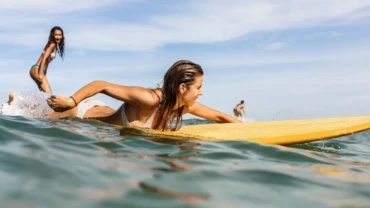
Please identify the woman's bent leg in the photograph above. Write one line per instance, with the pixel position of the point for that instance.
(65, 114)
(44, 86)
(41, 81)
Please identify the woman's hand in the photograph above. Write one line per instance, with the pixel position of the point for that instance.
(208, 113)
(60, 103)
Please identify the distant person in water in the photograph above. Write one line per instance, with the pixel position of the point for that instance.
(239, 109)
(151, 108)
(11, 97)
(38, 71)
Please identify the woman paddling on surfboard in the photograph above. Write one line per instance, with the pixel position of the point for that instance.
(55, 44)
(152, 108)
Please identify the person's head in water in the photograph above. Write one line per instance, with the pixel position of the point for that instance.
(57, 36)
(11, 97)
(242, 102)
(182, 85)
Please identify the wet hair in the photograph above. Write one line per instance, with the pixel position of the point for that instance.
(181, 72)
(60, 45)
(242, 102)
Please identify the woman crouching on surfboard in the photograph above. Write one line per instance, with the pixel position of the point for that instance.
(38, 71)
(152, 108)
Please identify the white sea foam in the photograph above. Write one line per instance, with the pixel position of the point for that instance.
(28, 104)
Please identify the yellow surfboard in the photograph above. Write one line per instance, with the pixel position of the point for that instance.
(266, 132)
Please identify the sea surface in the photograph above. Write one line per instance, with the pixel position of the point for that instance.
(85, 163)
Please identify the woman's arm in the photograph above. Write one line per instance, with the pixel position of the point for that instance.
(127, 94)
(45, 56)
(210, 114)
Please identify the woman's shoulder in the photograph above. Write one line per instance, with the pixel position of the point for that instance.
(148, 98)
(50, 45)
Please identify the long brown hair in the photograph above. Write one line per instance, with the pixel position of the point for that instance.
(182, 71)
(60, 45)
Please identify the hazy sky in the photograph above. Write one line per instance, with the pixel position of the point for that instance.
(286, 59)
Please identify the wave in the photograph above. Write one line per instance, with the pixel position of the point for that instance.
(83, 163)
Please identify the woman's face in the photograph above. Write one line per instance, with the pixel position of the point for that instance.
(189, 95)
(58, 35)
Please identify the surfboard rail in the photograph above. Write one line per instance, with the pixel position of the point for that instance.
(284, 132)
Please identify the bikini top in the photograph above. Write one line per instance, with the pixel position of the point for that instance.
(52, 54)
(125, 122)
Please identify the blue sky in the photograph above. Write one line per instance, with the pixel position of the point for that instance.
(286, 59)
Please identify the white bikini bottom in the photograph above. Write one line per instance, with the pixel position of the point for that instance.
(85, 105)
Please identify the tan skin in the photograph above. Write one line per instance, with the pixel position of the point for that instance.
(97, 112)
(38, 74)
(141, 102)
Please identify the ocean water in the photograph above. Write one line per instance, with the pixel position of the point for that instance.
(85, 163)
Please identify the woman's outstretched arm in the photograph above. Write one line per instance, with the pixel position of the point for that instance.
(210, 114)
(124, 93)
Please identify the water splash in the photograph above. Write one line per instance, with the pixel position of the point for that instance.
(27, 104)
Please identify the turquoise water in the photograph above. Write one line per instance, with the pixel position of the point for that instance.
(84, 163)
